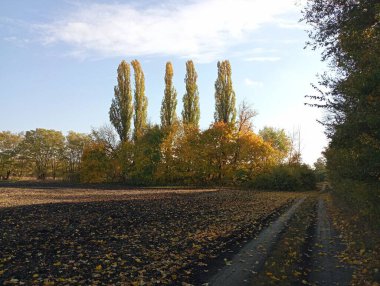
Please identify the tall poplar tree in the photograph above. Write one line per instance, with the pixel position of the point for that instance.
(225, 110)
(169, 102)
(191, 113)
(141, 101)
(121, 109)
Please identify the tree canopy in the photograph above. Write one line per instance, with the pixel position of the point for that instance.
(169, 102)
(191, 112)
(141, 101)
(225, 110)
(121, 109)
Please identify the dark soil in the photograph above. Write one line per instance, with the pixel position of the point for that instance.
(152, 239)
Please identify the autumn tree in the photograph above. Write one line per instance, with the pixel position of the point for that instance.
(245, 115)
(278, 139)
(191, 112)
(9, 143)
(244, 125)
(45, 149)
(146, 156)
(141, 101)
(106, 135)
(96, 163)
(99, 159)
(255, 156)
(218, 146)
(121, 109)
(169, 151)
(73, 152)
(169, 102)
(225, 110)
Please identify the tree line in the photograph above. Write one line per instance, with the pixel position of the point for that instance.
(349, 34)
(176, 152)
(123, 109)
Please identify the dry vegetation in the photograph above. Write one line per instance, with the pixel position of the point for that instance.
(128, 237)
(363, 243)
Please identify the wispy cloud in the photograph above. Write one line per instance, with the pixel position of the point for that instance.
(201, 29)
(253, 83)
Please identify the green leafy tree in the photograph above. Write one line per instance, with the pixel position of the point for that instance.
(73, 152)
(320, 169)
(45, 149)
(9, 143)
(349, 34)
(169, 102)
(107, 136)
(96, 164)
(225, 110)
(121, 109)
(191, 112)
(146, 156)
(278, 139)
(141, 101)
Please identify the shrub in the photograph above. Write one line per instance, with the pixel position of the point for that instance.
(286, 178)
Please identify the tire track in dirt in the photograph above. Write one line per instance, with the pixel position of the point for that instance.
(326, 269)
(252, 256)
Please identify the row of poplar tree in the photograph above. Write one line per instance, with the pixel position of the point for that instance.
(177, 151)
(123, 109)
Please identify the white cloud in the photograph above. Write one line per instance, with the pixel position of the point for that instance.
(253, 83)
(263, 59)
(203, 30)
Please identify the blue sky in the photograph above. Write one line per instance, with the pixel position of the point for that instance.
(59, 60)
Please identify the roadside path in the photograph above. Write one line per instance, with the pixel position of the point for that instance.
(326, 267)
(252, 256)
(323, 266)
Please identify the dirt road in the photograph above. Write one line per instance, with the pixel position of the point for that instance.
(253, 255)
(317, 265)
(326, 267)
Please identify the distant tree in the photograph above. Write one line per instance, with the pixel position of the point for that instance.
(106, 135)
(255, 156)
(320, 169)
(45, 149)
(9, 143)
(191, 112)
(146, 156)
(218, 146)
(225, 110)
(96, 163)
(169, 151)
(74, 146)
(169, 102)
(188, 155)
(141, 101)
(278, 139)
(245, 116)
(244, 126)
(121, 109)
